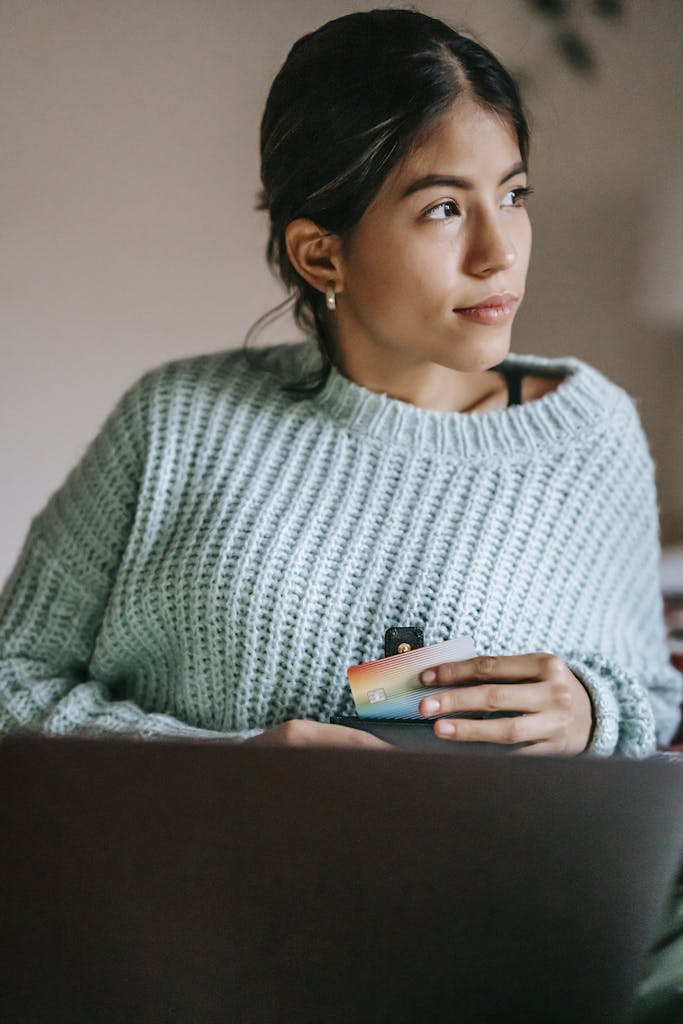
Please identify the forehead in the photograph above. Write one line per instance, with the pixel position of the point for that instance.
(470, 141)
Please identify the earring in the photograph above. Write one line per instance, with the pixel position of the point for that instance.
(330, 300)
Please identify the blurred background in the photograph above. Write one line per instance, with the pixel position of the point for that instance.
(129, 169)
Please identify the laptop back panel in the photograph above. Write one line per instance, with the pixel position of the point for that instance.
(201, 882)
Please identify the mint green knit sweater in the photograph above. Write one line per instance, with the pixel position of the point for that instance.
(223, 552)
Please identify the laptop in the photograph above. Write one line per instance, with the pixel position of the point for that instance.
(202, 882)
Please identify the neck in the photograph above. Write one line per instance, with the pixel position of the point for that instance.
(424, 384)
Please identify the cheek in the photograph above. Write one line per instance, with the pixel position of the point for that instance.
(410, 263)
(524, 239)
(386, 274)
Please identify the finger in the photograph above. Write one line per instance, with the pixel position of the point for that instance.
(303, 733)
(528, 697)
(323, 734)
(521, 729)
(345, 736)
(509, 667)
(543, 747)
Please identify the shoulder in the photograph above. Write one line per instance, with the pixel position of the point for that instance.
(194, 372)
(230, 375)
(616, 406)
(616, 439)
(583, 411)
(571, 381)
(606, 451)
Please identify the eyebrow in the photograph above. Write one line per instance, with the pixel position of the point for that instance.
(431, 180)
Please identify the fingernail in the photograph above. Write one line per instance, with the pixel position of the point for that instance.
(431, 705)
(446, 728)
(429, 676)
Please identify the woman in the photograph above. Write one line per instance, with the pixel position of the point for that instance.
(242, 530)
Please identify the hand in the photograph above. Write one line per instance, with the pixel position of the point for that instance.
(300, 733)
(556, 712)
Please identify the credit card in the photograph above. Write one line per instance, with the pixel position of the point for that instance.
(391, 688)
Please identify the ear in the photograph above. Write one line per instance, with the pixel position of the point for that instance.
(315, 254)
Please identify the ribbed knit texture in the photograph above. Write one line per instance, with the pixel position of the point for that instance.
(223, 552)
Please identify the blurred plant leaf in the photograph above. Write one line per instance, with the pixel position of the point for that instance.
(576, 52)
(550, 8)
(608, 8)
(571, 45)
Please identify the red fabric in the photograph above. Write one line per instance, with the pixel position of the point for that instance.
(673, 618)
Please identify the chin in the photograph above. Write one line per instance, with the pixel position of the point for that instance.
(475, 354)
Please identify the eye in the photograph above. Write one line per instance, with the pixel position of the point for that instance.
(443, 211)
(517, 196)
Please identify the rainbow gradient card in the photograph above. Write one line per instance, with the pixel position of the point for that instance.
(391, 687)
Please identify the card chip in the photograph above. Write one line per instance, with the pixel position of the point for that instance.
(377, 696)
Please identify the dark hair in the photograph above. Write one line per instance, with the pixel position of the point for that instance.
(350, 102)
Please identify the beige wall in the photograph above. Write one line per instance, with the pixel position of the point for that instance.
(128, 170)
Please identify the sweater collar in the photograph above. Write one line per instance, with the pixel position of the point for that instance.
(583, 397)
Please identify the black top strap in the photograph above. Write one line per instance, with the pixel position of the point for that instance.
(514, 380)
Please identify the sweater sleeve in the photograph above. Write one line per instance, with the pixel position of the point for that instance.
(53, 603)
(635, 690)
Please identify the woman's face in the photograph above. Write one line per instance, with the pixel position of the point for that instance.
(447, 231)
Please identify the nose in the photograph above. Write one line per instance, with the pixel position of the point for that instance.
(490, 247)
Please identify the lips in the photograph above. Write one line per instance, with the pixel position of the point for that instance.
(493, 301)
(493, 310)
